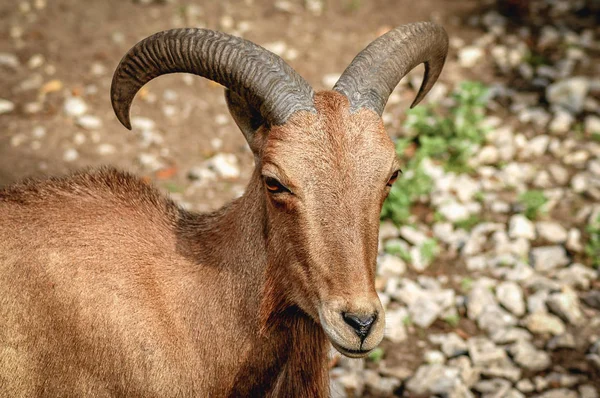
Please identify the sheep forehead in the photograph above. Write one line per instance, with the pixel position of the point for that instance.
(332, 140)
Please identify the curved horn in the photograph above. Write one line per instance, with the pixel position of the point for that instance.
(262, 78)
(369, 80)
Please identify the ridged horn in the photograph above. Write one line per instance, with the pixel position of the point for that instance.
(262, 78)
(372, 76)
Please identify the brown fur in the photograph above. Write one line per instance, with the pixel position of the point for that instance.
(107, 288)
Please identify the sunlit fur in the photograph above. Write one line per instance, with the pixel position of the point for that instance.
(107, 288)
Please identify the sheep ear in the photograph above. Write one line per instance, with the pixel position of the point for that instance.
(246, 117)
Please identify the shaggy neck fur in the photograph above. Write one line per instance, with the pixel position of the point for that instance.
(288, 350)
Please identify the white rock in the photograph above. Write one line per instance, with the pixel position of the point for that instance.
(594, 167)
(494, 387)
(498, 206)
(588, 391)
(391, 266)
(479, 298)
(106, 149)
(574, 240)
(9, 60)
(527, 356)
(559, 174)
(75, 106)
(549, 257)
(6, 106)
(494, 318)
(566, 305)
(408, 292)
(484, 352)
(395, 329)
(536, 115)
(70, 155)
(225, 165)
(509, 335)
(33, 107)
(536, 302)
(454, 211)
(543, 180)
(418, 261)
(150, 161)
(36, 61)
(562, 122)
(504, 369)
(521, 227)
(476, 263)
(469, 56)
(451, 344)
(227, 22)
(315, 6)
(97, 69)
(488, 155)
(413, 236)
(510, 295)
(79, 139)
(466, 187)
(170, 110)
(537, 145)
(580, 183)
(202, 174)
(380, 386)
(542, 323)
(569, 93)
(18, 139)
(89, 122)
(551, 231)
(577, 276)
(221, 119)
(330, 79)
(592, 124)
(433, 379)
(549, 36)
(142, 123)
(39, 132)
(434, 356)
(577, 158)
(424, 312)
(33, 82)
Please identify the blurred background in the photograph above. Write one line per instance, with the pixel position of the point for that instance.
(490, 241)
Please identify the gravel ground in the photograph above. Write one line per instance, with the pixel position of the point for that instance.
(509, 307)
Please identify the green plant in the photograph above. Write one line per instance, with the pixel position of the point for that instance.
(466, 284)
(393, 246)
(450, 138)
(353, 5)
(592, 248)
(536, 59)
(452, 320)
(376, 355)
(447, 138)
(533, 202)
(173, 187)
(468, 223)
(429, 249)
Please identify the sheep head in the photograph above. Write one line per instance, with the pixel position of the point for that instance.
(324, 163)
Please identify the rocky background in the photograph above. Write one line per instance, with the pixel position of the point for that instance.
(490, 247)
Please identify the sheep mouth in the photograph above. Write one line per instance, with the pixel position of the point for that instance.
(350, 352)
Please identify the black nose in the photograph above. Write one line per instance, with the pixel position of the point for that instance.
(360, 323)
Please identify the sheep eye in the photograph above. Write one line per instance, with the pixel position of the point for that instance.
(393, 178)
(275, 186)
